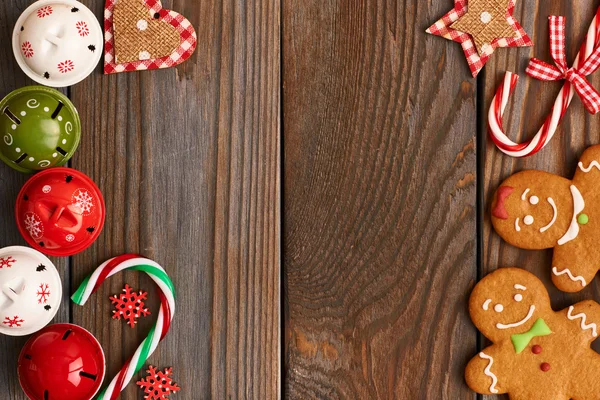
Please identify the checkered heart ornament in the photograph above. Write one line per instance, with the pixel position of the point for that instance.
(142, 35)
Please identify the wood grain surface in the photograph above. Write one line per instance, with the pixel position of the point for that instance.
(188, 160)
(380, 202)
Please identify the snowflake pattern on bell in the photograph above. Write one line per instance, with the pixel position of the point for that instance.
(6, 262)
(66, 66)
(44, 11)
(27, 50)
(14, 322)
(83, 200)
(82, 29)
(43, 293)
(130, 305)
(33, 225)
(158, 385)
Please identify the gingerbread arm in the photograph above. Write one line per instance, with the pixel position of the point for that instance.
(589, 165)
(573, 266)
(481, 373)
(586, 318)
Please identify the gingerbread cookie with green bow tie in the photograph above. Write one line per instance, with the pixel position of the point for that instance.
(536, 352)
(537, 210)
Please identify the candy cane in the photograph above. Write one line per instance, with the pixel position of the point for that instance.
(165, 315)
(546, 132)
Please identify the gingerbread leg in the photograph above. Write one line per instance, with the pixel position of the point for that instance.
(572, 279)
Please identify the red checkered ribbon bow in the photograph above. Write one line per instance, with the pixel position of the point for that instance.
(576, 76)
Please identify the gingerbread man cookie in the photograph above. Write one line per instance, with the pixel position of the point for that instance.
(537, 353)
(537, 210)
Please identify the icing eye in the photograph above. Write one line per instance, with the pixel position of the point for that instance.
(534, 200)
(498, 308)
(518, 297)
(528, 220)
(486, 304)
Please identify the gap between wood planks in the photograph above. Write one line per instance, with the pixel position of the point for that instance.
(481, 140)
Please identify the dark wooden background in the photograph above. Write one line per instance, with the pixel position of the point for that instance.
(316, 181)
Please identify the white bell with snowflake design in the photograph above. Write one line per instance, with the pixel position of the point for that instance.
(57, 42)
(30, 291)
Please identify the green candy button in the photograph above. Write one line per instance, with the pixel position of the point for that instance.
(39, 129)
(583, 219)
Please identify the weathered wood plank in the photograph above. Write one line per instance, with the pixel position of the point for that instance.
(379, 200)
(527, 110)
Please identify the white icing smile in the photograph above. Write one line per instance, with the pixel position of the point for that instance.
(521, 322)
(555, 213)
(578, 206)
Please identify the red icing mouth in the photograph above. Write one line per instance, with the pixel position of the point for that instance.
(500, 210)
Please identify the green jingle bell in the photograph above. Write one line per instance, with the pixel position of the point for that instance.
(40, 129)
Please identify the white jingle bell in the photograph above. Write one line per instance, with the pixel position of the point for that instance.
(30, 291)
(57, 42)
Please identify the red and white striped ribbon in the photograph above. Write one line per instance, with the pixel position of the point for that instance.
(543, 71)
(587, 61)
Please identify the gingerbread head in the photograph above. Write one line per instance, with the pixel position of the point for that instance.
(532, 209)
(507, 303)
(537, 210)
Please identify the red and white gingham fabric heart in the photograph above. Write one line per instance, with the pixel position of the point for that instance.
(186, 47)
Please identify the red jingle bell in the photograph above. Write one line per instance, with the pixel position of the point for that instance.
(60, 212)
(62, 361)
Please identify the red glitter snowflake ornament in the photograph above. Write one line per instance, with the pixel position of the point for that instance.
(158, 385)
(130, 305)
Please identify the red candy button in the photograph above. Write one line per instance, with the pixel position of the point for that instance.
(60, 212)
(545, 367)
(62, 361)
(537, 349)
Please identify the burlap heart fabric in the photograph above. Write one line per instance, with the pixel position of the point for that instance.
(141, 35)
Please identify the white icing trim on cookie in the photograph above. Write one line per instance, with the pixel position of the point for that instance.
(517, 227)
(583, 318)
(488, 372)
(524, 195)
(520, 287)
(571, 276)
(486, 304)
(545, 228)
(514, 325)
(588, 169)
(578, 206)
